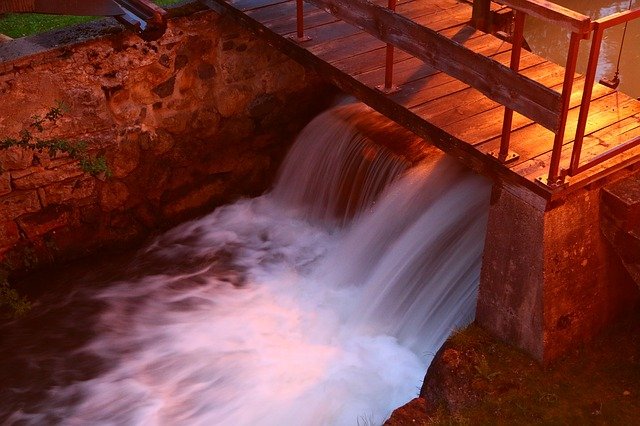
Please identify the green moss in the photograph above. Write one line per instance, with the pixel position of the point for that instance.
(12, 304)
(597, 383)
(24, 24)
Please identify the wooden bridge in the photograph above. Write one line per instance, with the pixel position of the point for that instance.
(459, 87)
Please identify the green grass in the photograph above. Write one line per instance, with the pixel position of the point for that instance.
(25, 24)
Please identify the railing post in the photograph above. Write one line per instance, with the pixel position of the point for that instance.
(554, 177)
(480, 17)
(388, 86)
(516, 51)
(589, 80)
(300, 37)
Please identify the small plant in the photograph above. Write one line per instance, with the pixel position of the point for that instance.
(77, 150)
(12, 305)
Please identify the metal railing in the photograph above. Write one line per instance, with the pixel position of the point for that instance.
(582, 27)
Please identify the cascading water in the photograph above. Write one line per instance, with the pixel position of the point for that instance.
(321, 303)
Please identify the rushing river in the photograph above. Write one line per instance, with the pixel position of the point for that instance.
(320, 303)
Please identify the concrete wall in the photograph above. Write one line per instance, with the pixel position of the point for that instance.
(188, 122)
(550, 280)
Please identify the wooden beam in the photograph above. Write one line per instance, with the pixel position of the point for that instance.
(493, 79)
(552, 12)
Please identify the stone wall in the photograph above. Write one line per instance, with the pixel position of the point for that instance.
(550, 281)
(193, 120)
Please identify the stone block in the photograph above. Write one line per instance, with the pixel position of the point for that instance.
(15, 158)
(48, 219)
(125, 158)
(548, 280)
(9, 233)
(113, 196)
(67, 191)
(43, 177)
(192, 200)
(18, 203)
(5, 183)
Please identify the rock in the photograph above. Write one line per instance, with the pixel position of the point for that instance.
(48, 219)
(9, 233)
(415, 412)
(452, 379)
(5, 183)
(18, 203)
(113, 196)
(165, 88)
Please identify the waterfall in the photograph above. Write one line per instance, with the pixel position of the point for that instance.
(320, 303)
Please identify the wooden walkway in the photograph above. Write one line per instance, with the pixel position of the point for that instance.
(455, 117)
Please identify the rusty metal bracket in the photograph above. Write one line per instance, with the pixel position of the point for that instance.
(509, 158)
(299, 40)
(388, 90)
(560, 182)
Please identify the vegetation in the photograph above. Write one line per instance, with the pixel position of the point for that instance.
(21, 25)
(77, 150)
(598, 383)
(12, 305)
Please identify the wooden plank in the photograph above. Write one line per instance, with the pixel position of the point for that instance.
(533, 140)
(552, 12)
(487, 124)
(361, 42)
(496, 81)
(246, 5)
(606, 112)
(372, 60)
(413, 69)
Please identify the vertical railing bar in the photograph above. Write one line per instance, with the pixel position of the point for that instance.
(299, 37)
(388, 70)
(565, 100)
(589, 80)
(299, 19)
(516, 53)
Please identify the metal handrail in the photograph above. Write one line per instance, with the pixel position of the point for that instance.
(599, 26)
(581, 27)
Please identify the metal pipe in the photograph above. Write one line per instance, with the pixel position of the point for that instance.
(300, 19)
(589, 80)
(565, 99)
(388, 70)
(516, 53)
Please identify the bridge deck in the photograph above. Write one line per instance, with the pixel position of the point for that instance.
(433, 104)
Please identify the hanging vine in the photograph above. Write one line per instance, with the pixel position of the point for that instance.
(28, 139)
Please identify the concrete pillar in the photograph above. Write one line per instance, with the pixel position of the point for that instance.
(549, 280)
